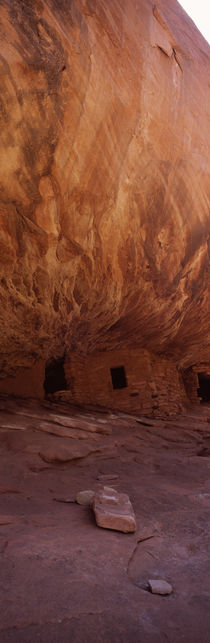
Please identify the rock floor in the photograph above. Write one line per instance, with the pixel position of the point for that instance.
(63, 578)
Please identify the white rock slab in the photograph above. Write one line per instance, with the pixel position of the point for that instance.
(114, 510)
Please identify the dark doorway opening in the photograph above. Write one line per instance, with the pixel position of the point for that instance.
(55, 376)
(204, 387)
(118, 377)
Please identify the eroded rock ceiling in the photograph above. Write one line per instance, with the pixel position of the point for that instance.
(105, 179)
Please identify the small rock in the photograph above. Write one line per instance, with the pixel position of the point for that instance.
(85, 497)
(114, 510)
(107, 476)
(160, 587)
(67, 500)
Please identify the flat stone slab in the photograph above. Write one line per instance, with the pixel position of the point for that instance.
(114, 510)
(62, 452)
(160, 587)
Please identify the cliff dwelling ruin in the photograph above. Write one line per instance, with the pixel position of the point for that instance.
(105, 323)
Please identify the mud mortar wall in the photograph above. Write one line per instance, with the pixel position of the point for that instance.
(191, 385)
(154, 385)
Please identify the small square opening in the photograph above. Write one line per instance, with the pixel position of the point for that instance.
(118, 377)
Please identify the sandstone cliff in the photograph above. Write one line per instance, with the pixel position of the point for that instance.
(105, 180)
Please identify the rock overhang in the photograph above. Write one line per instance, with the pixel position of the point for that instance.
(105, 181)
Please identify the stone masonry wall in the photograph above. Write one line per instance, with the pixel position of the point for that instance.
(154, 385)
(191, 383)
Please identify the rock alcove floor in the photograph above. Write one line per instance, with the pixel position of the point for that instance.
(63, 578)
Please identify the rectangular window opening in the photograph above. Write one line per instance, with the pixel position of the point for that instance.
(118, 377)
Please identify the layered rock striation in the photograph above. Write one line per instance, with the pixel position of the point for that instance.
(105, 181)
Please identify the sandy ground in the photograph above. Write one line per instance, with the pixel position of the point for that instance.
(63, 579)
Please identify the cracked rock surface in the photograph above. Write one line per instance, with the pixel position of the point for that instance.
(62, 578)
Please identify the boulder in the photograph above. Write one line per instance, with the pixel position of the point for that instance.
(114, 510)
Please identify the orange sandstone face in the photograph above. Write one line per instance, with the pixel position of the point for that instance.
(104, 176)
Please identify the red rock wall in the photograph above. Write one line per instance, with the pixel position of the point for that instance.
(104, 180)
(26, 382)
(154, 385)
